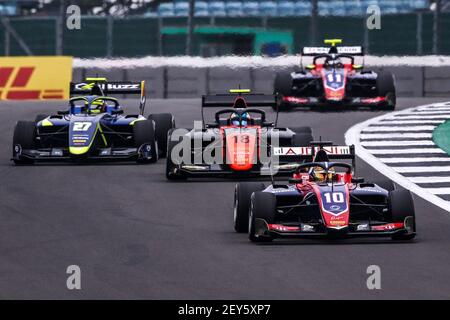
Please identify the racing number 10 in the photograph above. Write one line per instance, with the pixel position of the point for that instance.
(334, 197)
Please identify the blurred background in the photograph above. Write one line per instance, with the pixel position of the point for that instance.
(135, 28)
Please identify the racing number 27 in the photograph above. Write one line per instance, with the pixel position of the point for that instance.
(334, 197)
(81, 126)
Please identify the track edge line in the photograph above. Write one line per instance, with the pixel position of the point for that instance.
(352, 137)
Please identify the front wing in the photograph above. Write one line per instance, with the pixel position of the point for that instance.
(219, 170)
(63, 154)
(313, 102)
(360, 229)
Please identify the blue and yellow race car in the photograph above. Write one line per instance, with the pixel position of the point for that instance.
(94, 127)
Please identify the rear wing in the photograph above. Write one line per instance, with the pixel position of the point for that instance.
(350, 50)
(102, 87)
(108, 88)
(227, 100)
(333, 152)
(308, 153)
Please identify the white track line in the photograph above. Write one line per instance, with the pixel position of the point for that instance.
(440, 112)
(411, 160)
(407, 151)
(411, 122)
(398, 129)
(429, 179)
(439, 190)
(397, 143)
(428, 169)
(442, 108)
(395, 135)
(352, 136)
(421, 117)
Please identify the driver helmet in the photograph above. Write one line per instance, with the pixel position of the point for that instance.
(334, 62)
(98, 106)
(320, 174)
(243, 121)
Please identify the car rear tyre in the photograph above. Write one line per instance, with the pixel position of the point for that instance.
(242, 194)
(144, 133)
(386, 88)
(163, 123)
(283, 83)
(25, 136)
(401, 206)
(262, 206)
(170, 165)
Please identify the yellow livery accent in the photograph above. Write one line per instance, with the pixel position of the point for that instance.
(46, 123)
(240, 90)
(88, 86)
(78, 150)
(134, 121)
(310, 67)
(333, 42)
(96, 79)
(83, 150)
(103, 136)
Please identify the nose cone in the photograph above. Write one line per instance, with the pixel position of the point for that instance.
(82, 131)
(241, 148)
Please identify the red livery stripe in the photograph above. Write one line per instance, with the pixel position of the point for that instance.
(52, 97)
(22, 77)
(23, 94)
(5, 73)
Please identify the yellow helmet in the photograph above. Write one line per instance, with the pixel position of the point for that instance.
(320, 174)
(98, 106)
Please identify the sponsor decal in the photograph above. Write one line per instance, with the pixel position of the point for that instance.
(363, 227)
(35, 78)
(307, 228)
(373, 100)
(295, 99)
(387, 227)
(83, 86)
(306, 151)
(338, 221)
(279, 227)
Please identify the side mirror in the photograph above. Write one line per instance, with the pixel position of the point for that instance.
(295, 181)
(117, 111)
(310, 67)
(357, 180)
(357, 66)
(63, 113)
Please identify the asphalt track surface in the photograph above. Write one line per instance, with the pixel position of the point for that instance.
(137, 236)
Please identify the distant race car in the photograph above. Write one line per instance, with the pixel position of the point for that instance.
(333, 79)
(238, 138)
(323, 200)
(94, 127)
